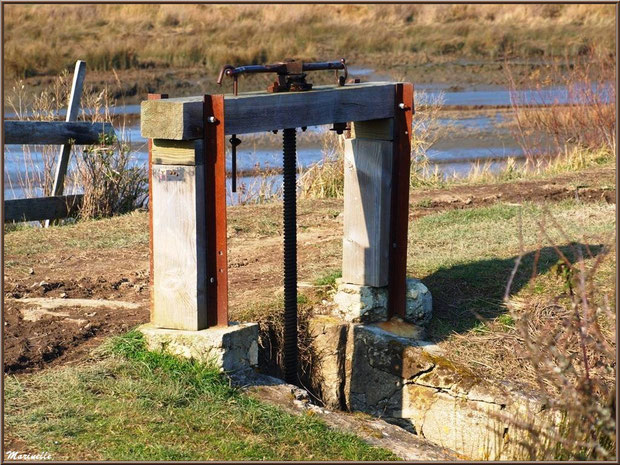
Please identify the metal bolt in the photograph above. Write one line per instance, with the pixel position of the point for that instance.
(212, 119)
(401, 106)
(212, 280)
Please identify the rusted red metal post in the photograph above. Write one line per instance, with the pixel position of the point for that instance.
(151, 266)
(214, 146)
(397, 284)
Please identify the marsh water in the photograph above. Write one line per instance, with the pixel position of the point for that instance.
(473, 128)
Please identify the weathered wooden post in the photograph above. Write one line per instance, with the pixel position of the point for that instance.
(187, 214)
(377, 161)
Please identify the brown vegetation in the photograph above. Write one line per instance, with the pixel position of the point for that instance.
(45, 39)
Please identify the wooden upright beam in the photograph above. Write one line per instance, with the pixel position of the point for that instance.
(150, 176)
(215, 208)
(179, 244)
(182, 118)
(397, 285)
(367, 199)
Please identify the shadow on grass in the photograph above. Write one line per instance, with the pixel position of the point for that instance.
(465, 294)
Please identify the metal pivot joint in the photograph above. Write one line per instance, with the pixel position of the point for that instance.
(290, 255)
(291, 76)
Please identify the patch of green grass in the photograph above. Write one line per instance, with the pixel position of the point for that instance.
(328, 279)
(466, 257)
(424, 203)
(506, 320)
(133, 404)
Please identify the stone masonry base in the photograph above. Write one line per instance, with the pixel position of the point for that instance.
(366, 304)
(362, 367)
(232, 348)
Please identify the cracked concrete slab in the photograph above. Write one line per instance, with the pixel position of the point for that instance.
(374, 431)
(363, 367)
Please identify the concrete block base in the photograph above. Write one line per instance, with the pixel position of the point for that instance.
(366, 304)
(232, 348)
(408, 381)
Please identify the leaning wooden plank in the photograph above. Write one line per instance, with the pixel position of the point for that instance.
(42, 208)
(72, 114)
(181, 118)
(55, 132)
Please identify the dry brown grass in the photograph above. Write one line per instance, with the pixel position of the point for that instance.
(45, 39)
(325, 179)
(557, 336)
(587, 121)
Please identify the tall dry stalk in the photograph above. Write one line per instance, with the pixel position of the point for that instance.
(34, 176)
(425, 132)
(261, 186)
(325, 179)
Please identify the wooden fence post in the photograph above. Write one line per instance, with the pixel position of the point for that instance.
(72, 114)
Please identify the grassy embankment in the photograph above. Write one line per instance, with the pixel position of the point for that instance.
(180, 48)
(464, 256)
(131, 404)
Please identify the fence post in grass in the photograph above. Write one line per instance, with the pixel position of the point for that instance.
(72, 113)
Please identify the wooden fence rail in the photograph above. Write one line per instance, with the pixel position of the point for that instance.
(55, 132)
(41, 208)
(52, 133)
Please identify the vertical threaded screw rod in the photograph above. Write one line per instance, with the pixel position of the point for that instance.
(290, 256)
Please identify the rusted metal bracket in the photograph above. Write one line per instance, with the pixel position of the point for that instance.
(397, 283)
(214, 144)
(290, 74)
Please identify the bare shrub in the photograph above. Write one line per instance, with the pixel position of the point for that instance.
(587, 120)
(111, 183)
(569, 341)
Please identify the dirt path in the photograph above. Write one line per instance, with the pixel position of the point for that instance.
(43, 266)
(586, 185)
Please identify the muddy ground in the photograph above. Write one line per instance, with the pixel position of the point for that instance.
(48, 266)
